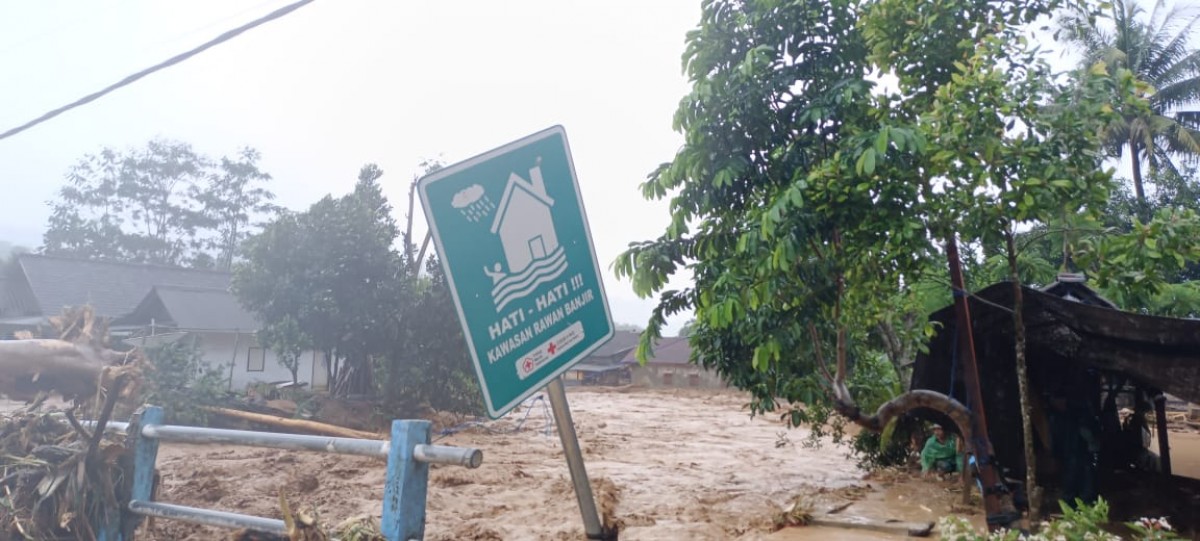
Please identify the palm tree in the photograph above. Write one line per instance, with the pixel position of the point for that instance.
(1157, 51)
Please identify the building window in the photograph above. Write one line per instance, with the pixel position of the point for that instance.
(667, 379)
(256, 360)
(693, 380)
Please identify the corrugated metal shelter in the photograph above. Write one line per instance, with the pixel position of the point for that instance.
(1079, 348)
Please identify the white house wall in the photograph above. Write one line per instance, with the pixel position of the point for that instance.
(217, 350)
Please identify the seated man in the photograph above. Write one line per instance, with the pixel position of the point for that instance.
(940, 454)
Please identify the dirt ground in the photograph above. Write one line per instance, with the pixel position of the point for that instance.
(671, 464)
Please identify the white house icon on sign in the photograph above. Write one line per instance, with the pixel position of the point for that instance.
(525, 226)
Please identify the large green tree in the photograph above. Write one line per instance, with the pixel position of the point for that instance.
(233, 196)
(809, 201)
(333, 270)
(1157, 47)
(342, 278)
(164, 204)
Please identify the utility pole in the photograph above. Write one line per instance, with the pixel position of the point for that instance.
(997, 516)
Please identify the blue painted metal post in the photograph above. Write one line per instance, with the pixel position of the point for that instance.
(407, 481)
(145, 456)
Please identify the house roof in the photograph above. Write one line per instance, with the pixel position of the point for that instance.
(673, 350)
(619, 345)
(587, 367)
(1160, 352)
(192, 309)
(1069, 344)
(515, 182)
(16, 301)
(1071, 287)
(112, 288)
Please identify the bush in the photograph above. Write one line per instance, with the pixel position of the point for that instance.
(181, 382)
(429, 364)
(870, 451)
(1079, 522)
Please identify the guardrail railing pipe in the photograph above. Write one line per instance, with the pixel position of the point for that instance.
(273, 440)
(408, 453)
(449, 456)
(208, 517)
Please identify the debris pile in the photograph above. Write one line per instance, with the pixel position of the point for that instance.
(55, 477)
(58, 480)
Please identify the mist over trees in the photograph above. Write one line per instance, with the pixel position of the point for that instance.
(164, 203)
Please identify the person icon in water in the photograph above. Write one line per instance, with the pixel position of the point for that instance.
(494, 273)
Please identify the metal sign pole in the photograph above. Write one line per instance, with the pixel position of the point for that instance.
(579, 478)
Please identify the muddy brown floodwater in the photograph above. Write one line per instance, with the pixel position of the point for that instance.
(669, 464)
(665, 465)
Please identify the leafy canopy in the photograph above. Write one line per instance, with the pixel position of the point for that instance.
(1157, 48)
(831, 148)
(332, 278)
(163, 204)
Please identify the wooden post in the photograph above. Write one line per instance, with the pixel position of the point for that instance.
(407, 481)
(981, 444)
(1164, 447)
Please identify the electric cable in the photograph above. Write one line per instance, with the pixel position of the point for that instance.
(157, 67)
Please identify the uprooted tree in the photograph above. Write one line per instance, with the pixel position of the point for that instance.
(59, 477)
(810, 199)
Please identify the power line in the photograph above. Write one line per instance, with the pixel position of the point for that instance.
(157, 67)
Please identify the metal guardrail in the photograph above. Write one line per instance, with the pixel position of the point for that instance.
(408, 455)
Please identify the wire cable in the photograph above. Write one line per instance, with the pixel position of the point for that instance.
(157, 67)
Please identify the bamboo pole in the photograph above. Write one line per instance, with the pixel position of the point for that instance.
(297, 425)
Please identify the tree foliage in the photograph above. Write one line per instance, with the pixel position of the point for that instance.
(333, 278)
(332, 270)
(163, 204)
(182, 382)
(810, 202)
(285, 338)
(1157, 47)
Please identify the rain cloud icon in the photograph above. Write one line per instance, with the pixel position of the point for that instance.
(472, 203)
(467, 196)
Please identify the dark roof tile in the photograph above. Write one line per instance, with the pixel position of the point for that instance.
(112, 288)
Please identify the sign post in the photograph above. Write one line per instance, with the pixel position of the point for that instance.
(513, 238)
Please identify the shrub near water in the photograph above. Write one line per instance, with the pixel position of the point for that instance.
(181, 382)
(1079, 523)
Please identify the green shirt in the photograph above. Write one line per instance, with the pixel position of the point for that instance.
(935, 451)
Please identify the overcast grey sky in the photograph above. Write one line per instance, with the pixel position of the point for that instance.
(341, 83)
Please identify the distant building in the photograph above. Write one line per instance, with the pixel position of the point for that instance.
(604, 366)
(149, 304)
(670, 366)
(224, 331)
(1082, 353)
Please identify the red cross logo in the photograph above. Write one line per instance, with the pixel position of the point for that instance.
(552, 348)
(527, 365)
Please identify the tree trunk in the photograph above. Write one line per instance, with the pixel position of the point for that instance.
(29, 367)
(1138, 189)
(921, 398)
(1032, 489)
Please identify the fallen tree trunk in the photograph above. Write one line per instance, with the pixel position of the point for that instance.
(30, 367)
(911, 529)
(294, 425)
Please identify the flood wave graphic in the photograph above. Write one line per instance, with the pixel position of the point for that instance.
(520, 285)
